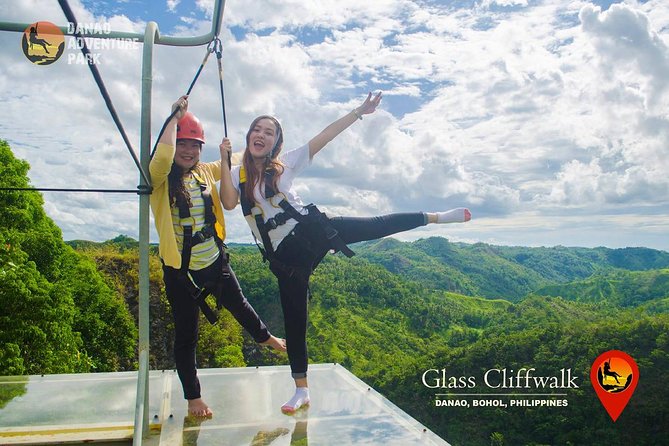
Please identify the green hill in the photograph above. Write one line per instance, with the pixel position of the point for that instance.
(549, 335)
(499, 271)
(617, 288)
(389, 331)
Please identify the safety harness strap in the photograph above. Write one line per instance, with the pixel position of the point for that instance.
(192, 239)
(289, 211)
(198, 294)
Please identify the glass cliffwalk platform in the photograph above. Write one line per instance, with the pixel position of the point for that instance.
(99, 409)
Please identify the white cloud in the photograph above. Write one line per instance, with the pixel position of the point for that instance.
(172, 5)
(206, 5)
(260, 14)
(629, 50)
(520, 111)
(488, 3)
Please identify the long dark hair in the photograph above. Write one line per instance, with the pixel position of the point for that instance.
(177, 187)
(271, 162)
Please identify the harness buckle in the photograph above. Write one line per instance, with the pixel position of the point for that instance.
(256, 210)
(271, 224)
(280, 196)
(330, 232)
(202, 235)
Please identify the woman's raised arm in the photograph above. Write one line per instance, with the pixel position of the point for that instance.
(169, 136)
(331, 131)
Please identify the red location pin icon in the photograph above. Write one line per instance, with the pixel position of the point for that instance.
(614, 376)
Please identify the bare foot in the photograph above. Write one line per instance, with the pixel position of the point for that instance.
(198, 408)
(275, 343)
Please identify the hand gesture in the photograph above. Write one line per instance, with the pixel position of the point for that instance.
(182, 105)
(226, 149)
(370, 104)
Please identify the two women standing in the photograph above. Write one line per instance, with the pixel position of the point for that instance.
(191, 228)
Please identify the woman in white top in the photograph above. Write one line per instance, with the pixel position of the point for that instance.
(296, 237)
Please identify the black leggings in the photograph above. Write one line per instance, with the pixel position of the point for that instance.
(185, 313)
(303, 248)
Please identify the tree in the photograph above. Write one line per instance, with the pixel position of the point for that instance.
(57, 315)
(35, 320)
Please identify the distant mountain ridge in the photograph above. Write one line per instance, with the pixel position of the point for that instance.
(617, 288)
(506, 272)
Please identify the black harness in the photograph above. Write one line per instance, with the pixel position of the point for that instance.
(192, 239)
(314, 215)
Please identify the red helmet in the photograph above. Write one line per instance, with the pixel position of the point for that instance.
(189, 127)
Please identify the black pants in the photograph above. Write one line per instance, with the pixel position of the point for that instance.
(185, 312)
(303, 249)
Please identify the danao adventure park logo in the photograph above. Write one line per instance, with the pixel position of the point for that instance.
(43, 43)
(614, 376)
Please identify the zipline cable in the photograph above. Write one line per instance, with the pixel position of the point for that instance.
(57, 189)
(214, 46)
(219, 55)
(103, 90)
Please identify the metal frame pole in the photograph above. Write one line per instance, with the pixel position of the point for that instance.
(142, 400)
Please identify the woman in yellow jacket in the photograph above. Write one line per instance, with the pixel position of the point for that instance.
(188, 213)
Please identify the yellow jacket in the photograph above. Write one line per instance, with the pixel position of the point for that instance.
(159, 168)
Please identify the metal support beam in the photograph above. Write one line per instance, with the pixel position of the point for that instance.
(142, 402)
(204, 39)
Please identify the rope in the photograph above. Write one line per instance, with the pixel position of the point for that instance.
(142, 191)
(219, 55)
(214, 46)
(103, 90)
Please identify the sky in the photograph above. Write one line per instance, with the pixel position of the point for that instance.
(548, 119)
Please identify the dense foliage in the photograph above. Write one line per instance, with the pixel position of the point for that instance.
(57, 313)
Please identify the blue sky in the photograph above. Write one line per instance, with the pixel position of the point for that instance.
(548, 119)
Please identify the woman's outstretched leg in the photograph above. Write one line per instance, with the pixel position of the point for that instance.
(358, 229)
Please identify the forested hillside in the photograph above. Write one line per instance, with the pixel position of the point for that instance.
(501, 271)
(388, 315)
(616, 288)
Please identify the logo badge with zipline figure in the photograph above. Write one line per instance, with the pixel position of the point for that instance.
(614, 376)
(43, 43)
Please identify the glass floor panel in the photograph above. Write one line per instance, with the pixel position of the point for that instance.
(246, 404)
(56, 408)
